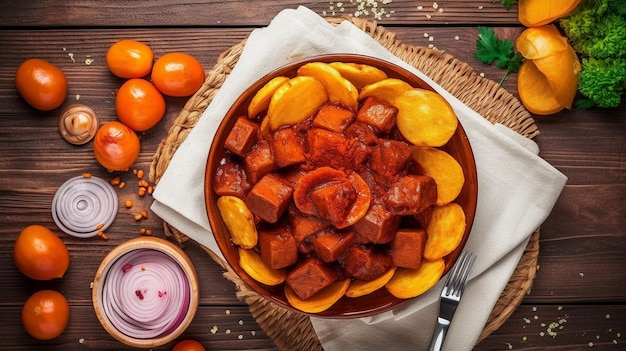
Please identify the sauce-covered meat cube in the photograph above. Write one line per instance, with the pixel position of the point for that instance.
(242, 137)
(378, 226)
(278, 247)
(365, 262)
(333, 117)
(230, 179)
(377, 113)
(407, 248)
(269, 198)
(411, 194)
(288, 147)
(330, 244)
(311, 276)
(259, 161)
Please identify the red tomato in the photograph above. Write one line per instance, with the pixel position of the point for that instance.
(139, 104)
(116, 146)
(42, 84)
(188, 345)
(45, 314)
(177, 74)
(129, 59)
(40, 254)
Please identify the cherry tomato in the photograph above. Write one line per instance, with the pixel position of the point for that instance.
(129, 59)
(177, 74)
(139, 104)
(42, 84)
(116, 146)
(40, 254)
(188, 345)
(45, 314)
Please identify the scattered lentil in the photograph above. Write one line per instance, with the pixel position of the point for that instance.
(100, 226)
(128, 203)
(240, 337)
(103, 235)
(139, 173)
(214, 329)
(138, 217)
(87, 175)
(115, 181)
(121, 185)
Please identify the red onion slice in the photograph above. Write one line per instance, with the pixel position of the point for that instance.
(146, 294)
(84, 206)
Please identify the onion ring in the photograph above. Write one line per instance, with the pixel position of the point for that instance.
(146, 294)
(84, 206)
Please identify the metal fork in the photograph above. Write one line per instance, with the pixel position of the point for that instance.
(450, 297)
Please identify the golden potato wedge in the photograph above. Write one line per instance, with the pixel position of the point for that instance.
(358, 74)
(295, 100)
(444, 169)
(261, 100)
(425, 118)
(407, 283)
(250, 261)
(339, 88)
(387, 89)
(445, 231)
(238, 220)
(360, 288)
(321, 301)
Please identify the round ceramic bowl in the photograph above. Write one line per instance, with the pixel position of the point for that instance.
(381, 300)
(145, 292)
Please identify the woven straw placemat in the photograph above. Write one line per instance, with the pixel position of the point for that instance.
(293, 331)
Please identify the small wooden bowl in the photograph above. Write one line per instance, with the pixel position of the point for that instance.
(381, 300)
(170, 250)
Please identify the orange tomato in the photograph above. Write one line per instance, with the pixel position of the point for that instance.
(188, 345)
(42, 84)
(40, 254)
(177, 74)
(45, 314)
(116, 146)
(139, 104)
(129, 59)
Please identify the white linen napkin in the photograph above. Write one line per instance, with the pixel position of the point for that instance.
(516, 189)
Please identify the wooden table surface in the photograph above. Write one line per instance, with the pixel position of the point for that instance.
(581, 281)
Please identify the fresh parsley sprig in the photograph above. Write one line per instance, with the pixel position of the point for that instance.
(490, 49)
(508, 3)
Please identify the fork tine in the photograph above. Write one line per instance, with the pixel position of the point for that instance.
(460, 272)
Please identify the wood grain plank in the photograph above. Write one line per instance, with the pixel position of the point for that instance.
(185, 13)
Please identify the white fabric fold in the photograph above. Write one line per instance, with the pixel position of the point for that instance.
(517, 189)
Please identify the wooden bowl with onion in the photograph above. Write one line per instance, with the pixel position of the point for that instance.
(280, 292)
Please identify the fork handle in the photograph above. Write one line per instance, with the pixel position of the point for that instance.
(440, 334)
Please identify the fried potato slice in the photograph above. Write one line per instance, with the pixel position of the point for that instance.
(407, 283)
(321, 301)
(425, 118)
(238, 220)
(387, 89)
(339, 88)
(360, 288)
(295, 100)
(251, 263)
(261, 100)
(359, 74)
(444, 169)
(445, 231)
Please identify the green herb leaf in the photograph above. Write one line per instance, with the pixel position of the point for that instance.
(490, 49)
(508, 3)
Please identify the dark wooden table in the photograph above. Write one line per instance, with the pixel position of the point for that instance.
(581, 281)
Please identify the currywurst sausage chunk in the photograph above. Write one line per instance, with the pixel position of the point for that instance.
(269, 198)
(411, 194)
(310, 277)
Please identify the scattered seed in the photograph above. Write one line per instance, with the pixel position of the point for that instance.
(91, 285)
(139, 173)
(144, 214)
(87, 175)
(142, 191)
(227, 331)
(227, 311)
(214, 329)
(81, 340)
(115, 181)
(253, 332)
(128, 204)
(138, 217)
(150, 189)
(240, 322)
(607, 316)
(121, 185)
(103, 235)
(240, 337)
(590, 344)
(99, 226)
